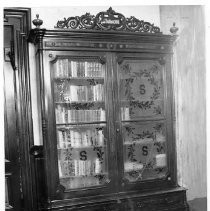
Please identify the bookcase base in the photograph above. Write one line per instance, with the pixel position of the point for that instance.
(164, 200)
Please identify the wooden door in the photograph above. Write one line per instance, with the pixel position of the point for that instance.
(77, 110)
(143, 121)
(17, 111)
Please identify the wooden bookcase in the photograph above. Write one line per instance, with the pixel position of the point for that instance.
(107, 114)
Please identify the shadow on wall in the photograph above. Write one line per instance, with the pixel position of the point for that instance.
(190, 95)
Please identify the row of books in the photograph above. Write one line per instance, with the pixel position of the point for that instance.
(87, 138)
(79, 168)
(73, 93)
(64, 115)
(68, 68)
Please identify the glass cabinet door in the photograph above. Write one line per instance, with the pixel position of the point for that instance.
(142, 116)
(81, 126)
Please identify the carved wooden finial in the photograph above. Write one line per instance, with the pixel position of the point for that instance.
(174, 29)
(37, 22)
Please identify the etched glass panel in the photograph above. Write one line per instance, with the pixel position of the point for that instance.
(141, 89)
(144, 151)
(79, 103)
(82, 156)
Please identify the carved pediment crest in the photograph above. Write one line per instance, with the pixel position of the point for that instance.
(106, 21)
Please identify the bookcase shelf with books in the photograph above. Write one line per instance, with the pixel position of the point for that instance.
(90, 175)
(79, 68)
(79, 147)
(67, 116)
(80, 137)
(66, 92)
(82, 153)
(79, 173)
(80, 122)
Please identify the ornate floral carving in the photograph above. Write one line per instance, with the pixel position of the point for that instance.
(150, 75)
(142, 104)
(99, 152)
(156, 147)
(145, 134)
(108, 20)
(131, 150)
(82, 106)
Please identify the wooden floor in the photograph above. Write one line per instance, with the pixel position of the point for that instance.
(199, 204)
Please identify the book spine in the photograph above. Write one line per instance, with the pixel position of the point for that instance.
(94, 69)
(69, 116)
(74, 93)
(65, 70)
(91, 73)
(72, 137)
(97, 166)
(78, 70)
(83, 68)
(69, 69)
(73, 69)
(61, 68)
(77, 138)
(76, 167)
(99, 70)
(79, 166)
(86, 69)
(84, 168)
(64, 139)
(68, 139)
(100, 138)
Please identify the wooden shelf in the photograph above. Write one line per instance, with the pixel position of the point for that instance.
(83, 147)
(91, 175)
(79, 78)
(81, 123)
(81, 102)
(143, 142)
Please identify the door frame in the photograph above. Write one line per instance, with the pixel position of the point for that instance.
(20, 18)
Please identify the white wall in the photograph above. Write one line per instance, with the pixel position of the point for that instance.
(50, 15)
(190, 91)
